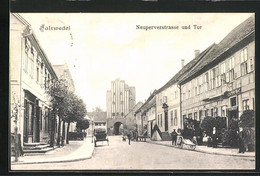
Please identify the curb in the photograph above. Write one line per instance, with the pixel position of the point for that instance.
(201, 151)
(54, 161)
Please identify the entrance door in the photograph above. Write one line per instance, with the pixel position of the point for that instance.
(37, 125)
(166, 120)
(25, 126)
(232, 114)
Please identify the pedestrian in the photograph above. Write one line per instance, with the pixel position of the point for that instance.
(214, 138)
(129, 137)
(241, 143)
(205, 139)
(174, 137)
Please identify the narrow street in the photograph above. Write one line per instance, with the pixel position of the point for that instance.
(141, 155)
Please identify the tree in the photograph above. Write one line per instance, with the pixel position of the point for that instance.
(247, 122)
(209, 122)
(76, 111)
(57, 91)
(83, 124)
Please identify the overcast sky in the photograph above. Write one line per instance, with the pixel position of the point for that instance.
(99, 48)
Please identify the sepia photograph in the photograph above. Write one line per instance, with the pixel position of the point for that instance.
(132, 91)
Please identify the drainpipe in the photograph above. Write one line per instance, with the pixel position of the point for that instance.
(181, 120)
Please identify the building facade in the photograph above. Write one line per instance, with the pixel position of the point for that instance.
(130, 117)
(120, 100)
(63, 73)
(30, 73)
(223, 84)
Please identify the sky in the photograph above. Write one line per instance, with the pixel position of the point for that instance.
(101, 47)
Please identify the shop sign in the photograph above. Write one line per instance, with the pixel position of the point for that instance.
(232, 92)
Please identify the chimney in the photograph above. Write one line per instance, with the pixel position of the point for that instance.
(182, 63)
(196, 52)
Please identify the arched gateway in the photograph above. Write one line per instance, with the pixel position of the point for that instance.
(114, 126)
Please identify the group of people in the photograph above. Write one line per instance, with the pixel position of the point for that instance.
(131, 135)
(213, 139)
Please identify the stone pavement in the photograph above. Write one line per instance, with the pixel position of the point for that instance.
(74, 151)
(210, 150)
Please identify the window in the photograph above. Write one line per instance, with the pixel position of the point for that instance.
(215, 112)
(175, 117)
(231, 63)
(171, 118)
(231, 75)
(211, 112)
(223, 111)
(251, 63)
(233, 101)
(161, 120)
(223, 73)
(37, 75)
(207, 81)
(245, 104)
(213, 78)
(206, 112)
(195, 115)
(190, 116)
(200, 114)
(164, 99)
(243, 65)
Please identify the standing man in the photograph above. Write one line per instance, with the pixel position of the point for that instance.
(174, 137)
(214, 137)
(241, 138)
(129, 137)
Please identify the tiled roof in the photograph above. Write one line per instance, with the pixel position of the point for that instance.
(186, 68)
(239, 33)
(98, 116)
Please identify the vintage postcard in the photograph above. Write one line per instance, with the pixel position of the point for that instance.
(132, 91)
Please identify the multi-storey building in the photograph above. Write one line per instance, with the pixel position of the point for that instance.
(223, 83)
(145, 115)
(168, 102)
(120, 99)
(63, 73)
(30, 73)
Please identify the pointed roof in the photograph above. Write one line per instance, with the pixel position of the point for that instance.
(187, 67)
(239, 33)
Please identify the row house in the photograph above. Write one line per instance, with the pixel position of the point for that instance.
(168, 98)
(30, 73)
(145, 115)
(223, 83)
(220, 81)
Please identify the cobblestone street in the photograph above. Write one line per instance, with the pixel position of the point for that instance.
(141, 155)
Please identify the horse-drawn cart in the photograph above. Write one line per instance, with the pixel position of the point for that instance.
(100, 135)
